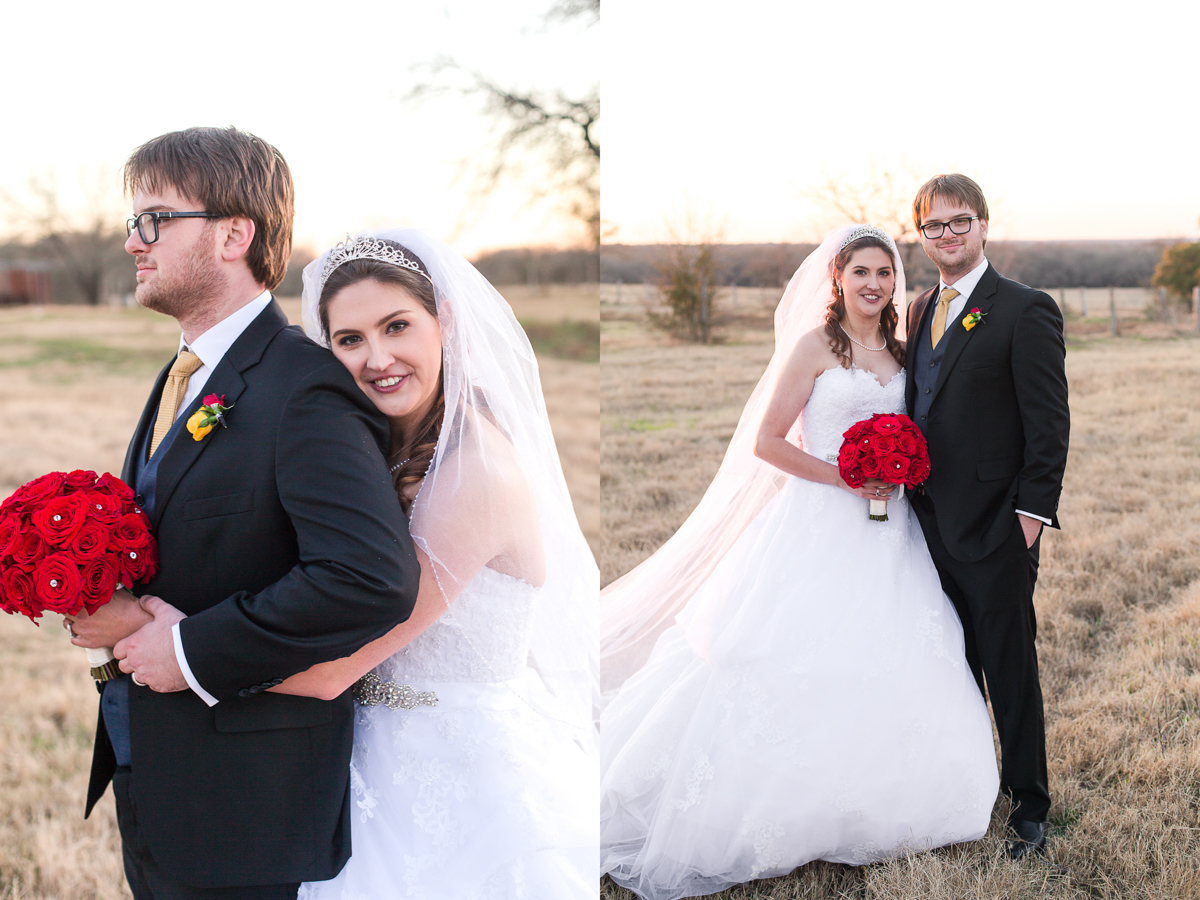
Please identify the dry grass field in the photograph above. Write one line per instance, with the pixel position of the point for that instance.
(1118, 602)
(72, 384)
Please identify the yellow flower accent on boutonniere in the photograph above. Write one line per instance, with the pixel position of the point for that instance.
(205, 419)
(196, 424)
(973, 318)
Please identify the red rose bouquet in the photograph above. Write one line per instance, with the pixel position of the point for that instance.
(886, 446)
(67, 541)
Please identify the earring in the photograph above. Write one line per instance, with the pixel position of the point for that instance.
(837, 287)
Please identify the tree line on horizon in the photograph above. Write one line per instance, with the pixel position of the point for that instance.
(1042, 264)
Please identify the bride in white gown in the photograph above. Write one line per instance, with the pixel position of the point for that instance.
(807, 695)
(473, 772)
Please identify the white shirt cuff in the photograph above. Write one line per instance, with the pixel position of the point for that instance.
(1020, 512)
(187, 670)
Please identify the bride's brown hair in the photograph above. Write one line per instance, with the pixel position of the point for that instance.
(839, 341)
(420, 448)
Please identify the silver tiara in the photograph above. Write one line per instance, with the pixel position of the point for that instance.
(366, 247)
(863, 231)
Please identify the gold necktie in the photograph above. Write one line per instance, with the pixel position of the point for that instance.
(939, 318)
(185, 364)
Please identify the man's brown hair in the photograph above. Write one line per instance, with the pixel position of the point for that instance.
(229, 173)
(950, 187)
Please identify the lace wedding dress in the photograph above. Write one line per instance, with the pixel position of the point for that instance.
(482, 795)
(812, 700)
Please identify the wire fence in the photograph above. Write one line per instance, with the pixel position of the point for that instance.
(1082, 303)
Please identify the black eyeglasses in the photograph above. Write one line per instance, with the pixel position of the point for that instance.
(148, 222)
(935, 230)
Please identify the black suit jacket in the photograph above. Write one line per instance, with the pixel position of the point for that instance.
(999, 423)
(282, 540)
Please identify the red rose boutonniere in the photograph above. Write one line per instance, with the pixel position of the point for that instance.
(973, 318)
(205, 419)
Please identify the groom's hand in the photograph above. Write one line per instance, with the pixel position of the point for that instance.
(1031, 527)
(149, 653)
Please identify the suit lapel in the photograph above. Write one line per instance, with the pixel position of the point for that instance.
(226, 379)
(958, 336)
(913, 335)
(149, 412)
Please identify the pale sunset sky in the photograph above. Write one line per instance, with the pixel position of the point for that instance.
(1080, 121)
(83, 83)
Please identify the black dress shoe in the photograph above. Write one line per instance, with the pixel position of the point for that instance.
(1026, 838)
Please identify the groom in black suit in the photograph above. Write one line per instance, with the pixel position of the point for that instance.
(987, 387)
(281, 545)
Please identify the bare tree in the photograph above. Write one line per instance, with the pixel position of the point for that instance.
(688, 272)
(883, 197)
(84, 241)
(541, 129)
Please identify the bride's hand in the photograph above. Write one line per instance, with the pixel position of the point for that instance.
(117, 619)
(873, 489)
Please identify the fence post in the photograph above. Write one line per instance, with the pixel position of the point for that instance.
(618, 292)
(1196, 305)
(1083, 302)
(733, 299)
(1113, 328)
(1162, 303)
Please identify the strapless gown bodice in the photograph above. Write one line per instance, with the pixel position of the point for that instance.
(484, 635)
(840, 397)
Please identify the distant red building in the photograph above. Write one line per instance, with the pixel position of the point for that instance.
(24, 282)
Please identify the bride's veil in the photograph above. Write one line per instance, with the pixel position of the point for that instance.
(637, 607)
(495, 449)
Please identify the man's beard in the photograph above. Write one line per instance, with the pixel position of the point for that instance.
(965, 264)
(193, 288)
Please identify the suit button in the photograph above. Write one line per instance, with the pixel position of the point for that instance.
(277, 682)
(932, 364)
(140, 500)
(267, 684)
(254, 688)
(243, 693)
(922, 417)
(927, 390)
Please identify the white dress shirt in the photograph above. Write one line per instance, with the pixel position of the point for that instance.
(211, 347)
(965, 287)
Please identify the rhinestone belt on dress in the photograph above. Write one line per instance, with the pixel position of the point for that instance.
(371, 690)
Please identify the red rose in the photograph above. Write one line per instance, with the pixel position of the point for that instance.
(866, 446)
(138, 564)
(110, 484)
(38, 491)
(10, 530)
(885, 424)
(853, 477)
(918, 472)
(130, 533)
(214, 400)
(90, 543)
(99, 581)
(28, 548)
(57, 583)
(885, 443)
(906, 443)
(17, 594)
(60, 519)
(848, 456)
(872, 467)
(896, 468)
(104, 507)
(79, 480)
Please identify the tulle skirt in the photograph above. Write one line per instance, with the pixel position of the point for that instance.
(811, 702)
(477, 798)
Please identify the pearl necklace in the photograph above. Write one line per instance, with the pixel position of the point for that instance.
(860, 343)
(399, 465)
